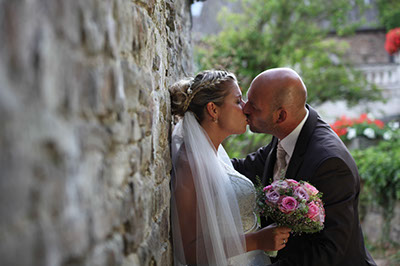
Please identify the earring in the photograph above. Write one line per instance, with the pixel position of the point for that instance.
(215, 120)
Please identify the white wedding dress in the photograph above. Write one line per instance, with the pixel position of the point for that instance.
(246, 196)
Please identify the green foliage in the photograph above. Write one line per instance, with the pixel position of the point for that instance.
(389, 13)
(277, 33)
(379, 168)
(238, 146)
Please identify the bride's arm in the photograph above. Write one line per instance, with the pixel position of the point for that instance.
(185, 200)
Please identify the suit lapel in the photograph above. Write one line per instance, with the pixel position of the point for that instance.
(270, 162)
(301, 145)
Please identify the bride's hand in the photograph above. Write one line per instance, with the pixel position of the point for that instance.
(268, 238)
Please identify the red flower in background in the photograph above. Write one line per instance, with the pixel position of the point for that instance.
(341, 125)
(379, 123)
(392, 43)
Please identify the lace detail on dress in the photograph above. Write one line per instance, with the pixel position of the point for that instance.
(246, 195)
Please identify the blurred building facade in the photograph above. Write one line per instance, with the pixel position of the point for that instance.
(366, 52)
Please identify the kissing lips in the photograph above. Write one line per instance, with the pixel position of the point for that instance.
(248, 121)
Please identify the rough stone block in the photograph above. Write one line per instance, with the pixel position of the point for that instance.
(146, 150)
(136, 130)
(395, 225)
(373, 225)
(140, 25)
(85, 134)
(108, 253)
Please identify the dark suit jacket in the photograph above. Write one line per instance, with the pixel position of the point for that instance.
(322, 159)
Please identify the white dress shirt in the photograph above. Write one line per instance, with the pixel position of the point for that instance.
(289, 142)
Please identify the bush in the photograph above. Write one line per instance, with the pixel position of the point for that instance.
(238, 146)
(379, 168)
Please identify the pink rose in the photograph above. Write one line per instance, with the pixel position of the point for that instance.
(313, 211)
(267, 188)
(301, 193)
(292, 182)
(272, 196)
(288, 204)
(310, 188)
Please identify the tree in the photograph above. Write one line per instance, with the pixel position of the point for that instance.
(276, 33)
(389, 13)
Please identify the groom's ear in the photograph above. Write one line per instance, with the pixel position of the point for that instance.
(282, 115)
(212, 110)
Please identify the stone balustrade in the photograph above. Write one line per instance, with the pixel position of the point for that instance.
(386, 76)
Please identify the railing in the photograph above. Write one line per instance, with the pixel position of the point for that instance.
(385, 76)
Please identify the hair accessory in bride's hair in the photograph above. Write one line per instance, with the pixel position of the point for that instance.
(189, 99)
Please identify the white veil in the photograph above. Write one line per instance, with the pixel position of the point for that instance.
(211, 232)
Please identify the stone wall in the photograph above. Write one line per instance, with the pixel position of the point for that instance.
(375, 221)
(84, 134)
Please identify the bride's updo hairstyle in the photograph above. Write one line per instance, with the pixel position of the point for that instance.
(193, 94)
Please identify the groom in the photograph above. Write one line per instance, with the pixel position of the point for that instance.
(307, 150)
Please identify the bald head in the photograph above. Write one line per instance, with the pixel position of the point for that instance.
(284, 87)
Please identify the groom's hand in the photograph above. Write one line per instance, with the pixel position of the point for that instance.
(272, 237)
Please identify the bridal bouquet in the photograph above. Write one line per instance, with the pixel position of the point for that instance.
(292, 204)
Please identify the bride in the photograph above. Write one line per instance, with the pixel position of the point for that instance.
(212, 205)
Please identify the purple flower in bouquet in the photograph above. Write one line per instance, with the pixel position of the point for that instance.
(293, 204)
(301, 193)
(272, 196)
(280, 185)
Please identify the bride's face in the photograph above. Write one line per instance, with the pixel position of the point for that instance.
(231, 118)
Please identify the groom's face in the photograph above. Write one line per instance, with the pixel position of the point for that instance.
(259, 110)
